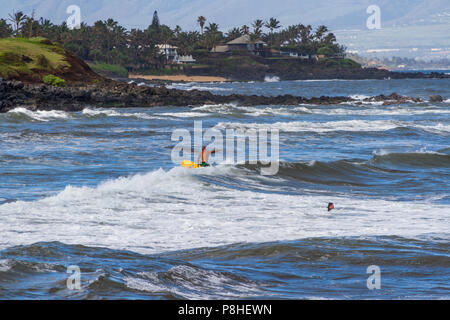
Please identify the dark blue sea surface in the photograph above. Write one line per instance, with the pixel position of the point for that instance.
(98, 189)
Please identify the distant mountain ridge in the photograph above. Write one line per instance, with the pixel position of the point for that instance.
(336, 14)
(416, 20)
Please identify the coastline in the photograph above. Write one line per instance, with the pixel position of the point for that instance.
(122, 95)
(179, 78)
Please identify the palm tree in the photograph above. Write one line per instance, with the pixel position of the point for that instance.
(272, 24)
(45, 27)
(245, 29)
(212, 35)
(5, 29)
(292, 33)
(212, 28)
(320, 31)
(330, 38)
(305, 33)
(177, 30)
(17, 18)
(201, 21)
(257, 27)
(233, 33)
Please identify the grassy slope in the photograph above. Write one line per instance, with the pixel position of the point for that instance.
(29, 59)
(12, 63)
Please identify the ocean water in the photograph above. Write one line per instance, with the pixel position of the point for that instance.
(97, 189)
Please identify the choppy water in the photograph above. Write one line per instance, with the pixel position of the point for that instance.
(98, 189)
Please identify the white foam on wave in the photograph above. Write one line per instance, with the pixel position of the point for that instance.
(193, 283)
(323, 127)
(195, 86)
(359, 97)
(381, 111)
(436, 128)
(5, 265)
(423, 150)
(114, 113)
(40, 115)
(320, 127)
(230, 109)
(216, 107)
(361, 102)
(331, 80)
(184, 114)
(177, 209)
(271, 79)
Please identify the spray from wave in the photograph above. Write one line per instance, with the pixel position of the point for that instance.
(271, 79)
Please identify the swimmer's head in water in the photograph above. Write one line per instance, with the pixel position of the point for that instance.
(330, 206)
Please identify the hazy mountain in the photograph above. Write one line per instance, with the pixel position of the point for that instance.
(405, 23)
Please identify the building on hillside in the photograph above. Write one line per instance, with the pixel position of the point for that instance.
(289, 51)
(337, 56)
(243, 43)
(185, 59)
(171, 54)
(220, 49)
(294, 54)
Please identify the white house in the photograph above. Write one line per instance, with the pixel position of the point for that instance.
(171, 54)
(186, 59)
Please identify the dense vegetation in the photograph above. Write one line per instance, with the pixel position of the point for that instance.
(107, 43)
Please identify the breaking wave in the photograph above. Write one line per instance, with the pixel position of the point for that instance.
(348, 125)
(22, 113)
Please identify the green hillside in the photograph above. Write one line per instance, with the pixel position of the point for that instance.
(29, 59)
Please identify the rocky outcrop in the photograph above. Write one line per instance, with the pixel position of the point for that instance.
(436, 98)
(122, 95)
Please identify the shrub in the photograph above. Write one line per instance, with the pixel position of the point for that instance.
(42, 61)
(46, 41)
(54, 81)
(325, 50)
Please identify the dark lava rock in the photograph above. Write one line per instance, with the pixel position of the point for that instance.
(123, 95)
(436, 98)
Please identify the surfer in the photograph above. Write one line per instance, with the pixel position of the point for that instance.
(203, 157)
(330, 206)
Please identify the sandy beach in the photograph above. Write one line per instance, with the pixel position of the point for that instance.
(178, 78)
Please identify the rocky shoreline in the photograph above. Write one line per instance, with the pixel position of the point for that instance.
(314, 73)
(123, 95)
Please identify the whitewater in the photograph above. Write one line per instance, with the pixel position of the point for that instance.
(97, 188)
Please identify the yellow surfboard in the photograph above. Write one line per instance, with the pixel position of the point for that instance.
(189, 164)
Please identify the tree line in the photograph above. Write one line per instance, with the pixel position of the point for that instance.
(109, 42)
